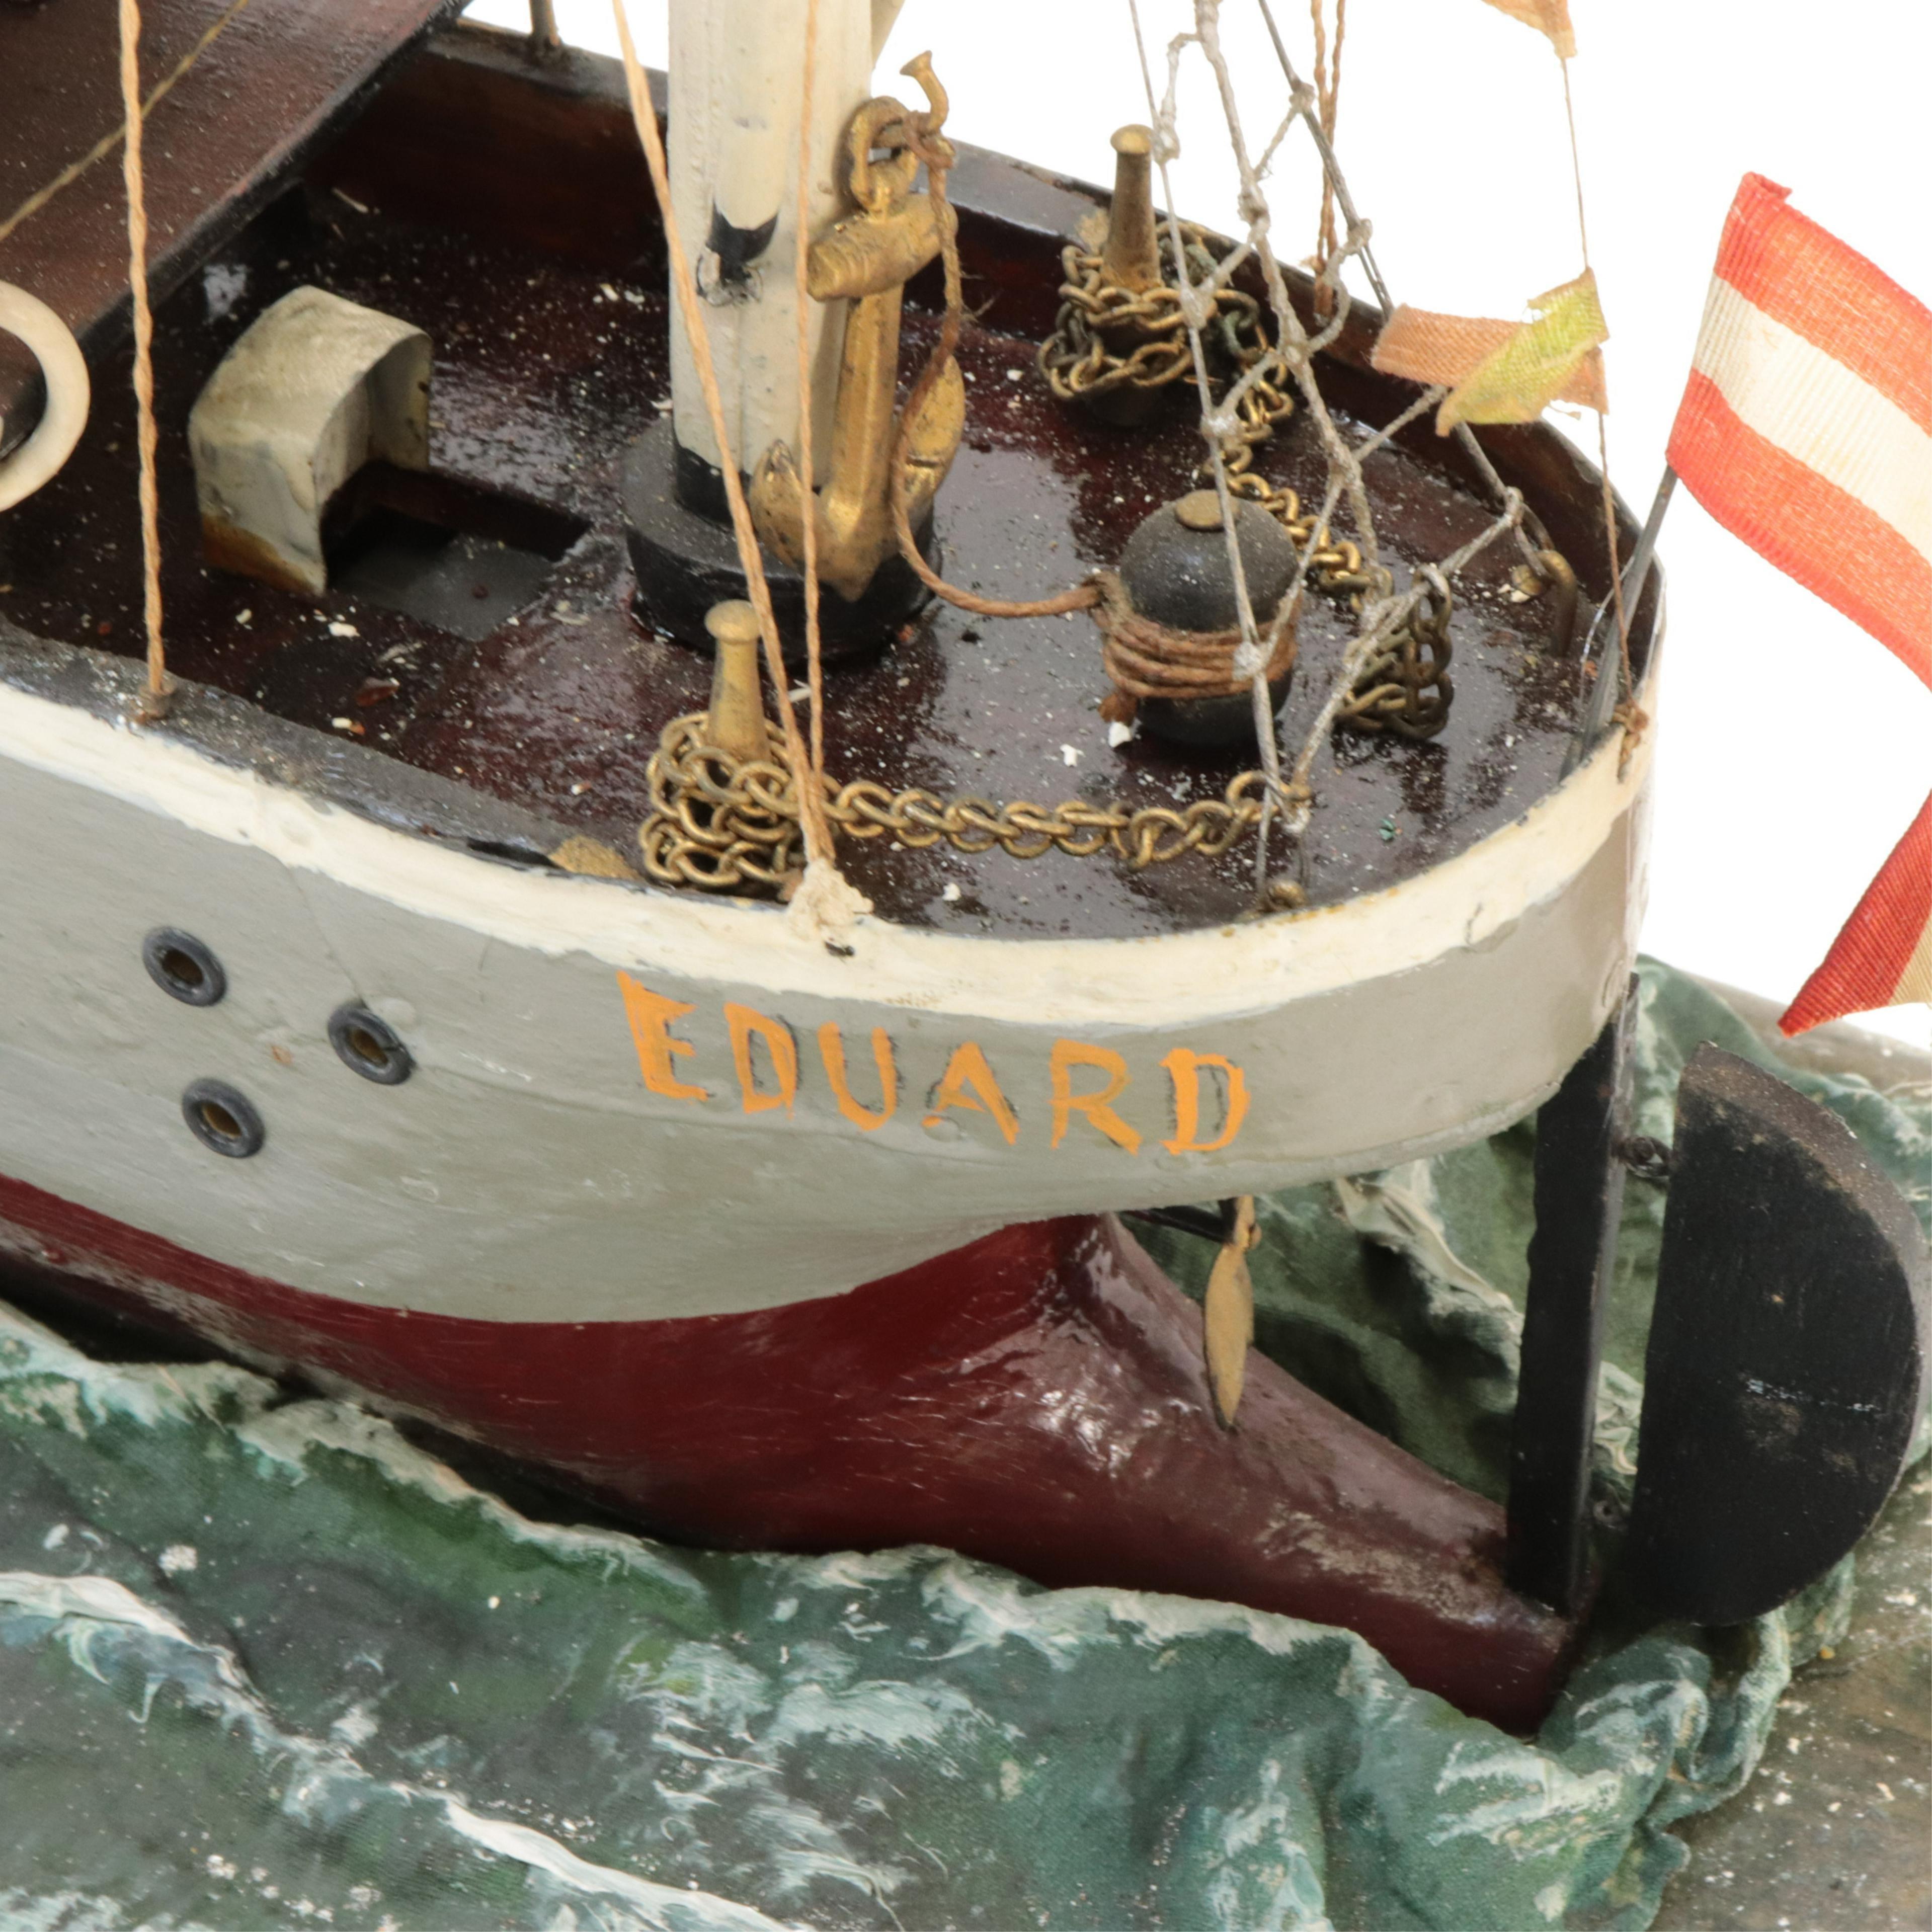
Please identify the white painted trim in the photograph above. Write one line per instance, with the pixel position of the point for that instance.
(64, 370)
(1163, 980)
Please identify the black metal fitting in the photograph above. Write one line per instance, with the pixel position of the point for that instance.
(183, 967)
(223, 1120)
(1648, 1159)
(369, 1046)
(1209, 1225)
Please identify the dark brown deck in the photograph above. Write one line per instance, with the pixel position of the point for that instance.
(548, 316)
(280, 75)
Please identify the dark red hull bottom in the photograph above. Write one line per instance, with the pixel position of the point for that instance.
(1035, 1399)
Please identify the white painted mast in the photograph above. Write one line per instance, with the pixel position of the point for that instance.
(736, 68)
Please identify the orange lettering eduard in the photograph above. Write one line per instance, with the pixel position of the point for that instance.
(832, 1051)
(1069, 1054)
(966, 1075)
(1183, 1069)
(650, 1015)
(744, 1021)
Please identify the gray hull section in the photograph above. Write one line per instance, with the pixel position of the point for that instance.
(528, 1170)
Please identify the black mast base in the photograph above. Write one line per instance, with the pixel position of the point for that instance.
(686, 560)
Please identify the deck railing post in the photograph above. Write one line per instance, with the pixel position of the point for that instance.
(546, 42)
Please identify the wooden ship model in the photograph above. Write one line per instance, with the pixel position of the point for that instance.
(458, 974)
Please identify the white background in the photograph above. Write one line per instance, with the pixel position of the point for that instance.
(1793, 749)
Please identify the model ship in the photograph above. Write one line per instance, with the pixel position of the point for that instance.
(459, 976)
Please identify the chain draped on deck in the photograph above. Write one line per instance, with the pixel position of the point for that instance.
(728, 824)
(718, 823)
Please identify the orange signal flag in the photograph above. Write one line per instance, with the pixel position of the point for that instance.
(1521, 377)
(1444, 350)
(1547, 16)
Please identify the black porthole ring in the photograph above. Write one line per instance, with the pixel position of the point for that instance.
(369, 1046)
(223, 1120)
(184, 968)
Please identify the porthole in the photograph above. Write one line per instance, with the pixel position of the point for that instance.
(223, 1120)
(183, 967)
(369, 1046)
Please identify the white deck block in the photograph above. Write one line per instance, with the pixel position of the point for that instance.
(317, 388)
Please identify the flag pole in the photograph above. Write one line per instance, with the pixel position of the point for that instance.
(1602, 700)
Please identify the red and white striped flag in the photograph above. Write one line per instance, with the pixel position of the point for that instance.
(1806, 430)
(1883, 957)
(1806, 426)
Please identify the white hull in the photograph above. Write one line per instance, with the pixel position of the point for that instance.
(526, 1171)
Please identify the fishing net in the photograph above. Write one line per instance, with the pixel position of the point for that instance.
(1391, 607)
(264, 1661)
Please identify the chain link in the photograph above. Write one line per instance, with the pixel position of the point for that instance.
(1108, 337)
(1405, 687)
(722, 825)
(1083, 359)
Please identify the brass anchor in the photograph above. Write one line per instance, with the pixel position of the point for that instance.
(867, 259)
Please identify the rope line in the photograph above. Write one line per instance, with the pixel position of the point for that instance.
(818, 832)
(160, 687)
(808, 471)
(1144, 658)
(1247, 661)
(1328, 91)
(937, 154)
(1381, 612)
(1331, 169)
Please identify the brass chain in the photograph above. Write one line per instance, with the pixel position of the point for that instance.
(1084, 358)
(1405, 686)
(1337, 564)
(1109, 337)
(716, 824)
(721, 824)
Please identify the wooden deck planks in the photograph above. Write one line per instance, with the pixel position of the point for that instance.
(280, 75)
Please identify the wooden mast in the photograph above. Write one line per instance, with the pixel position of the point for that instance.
(733, 140)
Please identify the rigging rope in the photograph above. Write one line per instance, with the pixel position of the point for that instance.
(160, 687)
(937, 154)
(807, 464)
(1332, 173)
(1248, 658)
(1382, 613)
(1328, 92)
(818, 832)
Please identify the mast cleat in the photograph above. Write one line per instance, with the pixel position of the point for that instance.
(1132, 254)
(1172, 635)
(1130, 261)
(736, 723)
